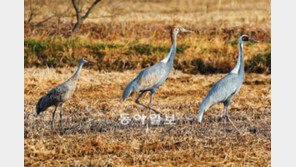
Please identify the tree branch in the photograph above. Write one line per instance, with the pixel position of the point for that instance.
(78, 16)
(90, 8)
(43, 21)
(31, 14)
(75, 6)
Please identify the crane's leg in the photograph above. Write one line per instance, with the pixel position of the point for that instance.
(53, 114)
(150, 102)
(226, 116)
(61, 117)
(137, 99)
(149, 106)
(138, 102)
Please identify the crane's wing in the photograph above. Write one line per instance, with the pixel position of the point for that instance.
(224, 88)
(151, 77)
(222, 91)
(52, 97)
(56, 94)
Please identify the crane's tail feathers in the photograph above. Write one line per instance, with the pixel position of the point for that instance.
(200, 117)
(128, 90)
(201, 111)
(43, 103)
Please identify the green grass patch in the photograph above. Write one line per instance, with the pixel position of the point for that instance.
(61, 52)
(260, 63)
(148, 49)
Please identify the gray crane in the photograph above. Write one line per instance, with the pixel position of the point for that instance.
(152, 77)
(60, 94)
(224, 90)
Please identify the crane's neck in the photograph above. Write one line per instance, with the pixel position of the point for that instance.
(240, 66)
(170, 58)
(76, 74)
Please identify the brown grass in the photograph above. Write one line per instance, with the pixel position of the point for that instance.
(222, 13)
(129, 24)
(94, 136)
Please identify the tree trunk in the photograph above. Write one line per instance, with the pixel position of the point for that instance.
(80, 18)
(76, 26)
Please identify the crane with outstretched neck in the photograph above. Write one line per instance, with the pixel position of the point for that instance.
(60, 94)
(225, 89)
(153, 77)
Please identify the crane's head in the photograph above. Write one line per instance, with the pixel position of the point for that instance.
(245, 38)
(85, 60)
(179, 29)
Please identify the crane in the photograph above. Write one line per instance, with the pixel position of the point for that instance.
(60, 94)
(152, 77)
(224, 90)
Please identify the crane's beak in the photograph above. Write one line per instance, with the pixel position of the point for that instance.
(187, 31)
(183, 30)
(91, 62)
(253, 40)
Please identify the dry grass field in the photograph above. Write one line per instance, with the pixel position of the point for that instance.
(125, 36)
(223, 13)
(93, 134)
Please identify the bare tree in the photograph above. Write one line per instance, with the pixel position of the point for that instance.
(80, 18)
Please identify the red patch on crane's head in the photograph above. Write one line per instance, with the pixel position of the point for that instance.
(245, 38)
(85, 58)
